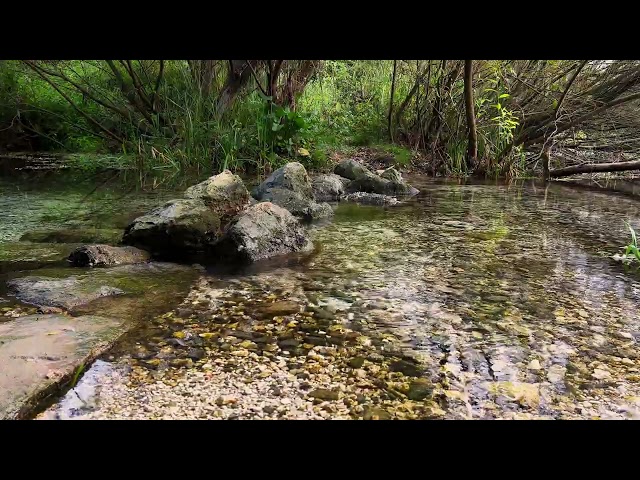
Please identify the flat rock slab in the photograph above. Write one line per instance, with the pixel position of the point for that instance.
(40, 352)
(55, 288)
(59, 292)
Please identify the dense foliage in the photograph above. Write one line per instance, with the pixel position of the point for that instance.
(253, 114)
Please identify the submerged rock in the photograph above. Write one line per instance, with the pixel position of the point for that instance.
(371, 199)
(37, 352)
(58, 292)
(329, 187)
(178, 227)
(225, 193)
(53, 288)
(105, 255)
(289, 187)
(262, 231)
(82, 235)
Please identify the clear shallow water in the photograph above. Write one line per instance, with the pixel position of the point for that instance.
(506, 293)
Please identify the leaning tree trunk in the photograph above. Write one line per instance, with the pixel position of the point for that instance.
(595, 167)
(472, 148)
(238, 75)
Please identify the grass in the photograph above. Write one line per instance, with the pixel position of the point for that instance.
(632, 250)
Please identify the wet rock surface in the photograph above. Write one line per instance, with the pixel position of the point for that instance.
(363, 180)
(106, 255)
(64, 293)
(290, 187)
(178, 227)
(263, 231)
(329, 187)
(39, 351)
(57, 288)
(225, 193)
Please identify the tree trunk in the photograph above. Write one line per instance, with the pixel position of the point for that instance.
(393, 91)
(239, 73)
(595, 167)
(472, 150)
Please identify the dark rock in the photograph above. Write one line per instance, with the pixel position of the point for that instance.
(276, 391)
(262, 231)
(177, 227)
(196, 353)
(88, 235)
(356, 362)
(329, 188)
(420, 389)
(350, 169)
(288, 343)
(105, 255)
(407, 368)
(58, 292)
(225, 193)
(181, 362)
(313, 340)
(324, 394)
(371, 199)
(268, 409)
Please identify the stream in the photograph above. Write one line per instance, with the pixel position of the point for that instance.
(505, 294)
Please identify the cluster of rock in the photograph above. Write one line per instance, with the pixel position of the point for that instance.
(220, 220)
(353, 182)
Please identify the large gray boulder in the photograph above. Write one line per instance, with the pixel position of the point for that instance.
(290, 187)
(178, 227)
(106, 255)
(329, 187)
(293, 176)
(262, 231)
(225, 193)
(350, 169)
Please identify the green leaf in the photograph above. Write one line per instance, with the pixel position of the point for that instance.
(504, 95)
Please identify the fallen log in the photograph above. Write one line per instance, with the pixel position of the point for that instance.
(595, 167)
